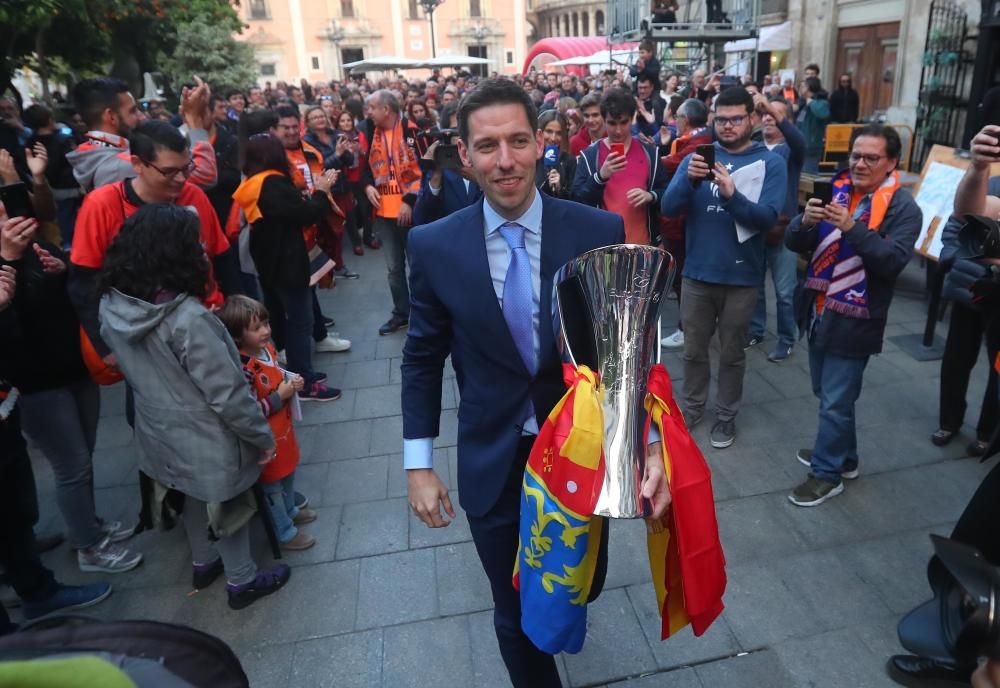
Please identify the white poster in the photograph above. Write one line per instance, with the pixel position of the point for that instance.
(936, 198)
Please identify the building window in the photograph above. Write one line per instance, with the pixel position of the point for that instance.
(576, 24)
(314, 62)
(510, 57)
(413, 9)
(599, 23)
(268, 69)
(566, 25)
(347, 8)
(585, 21)
(258, 9)
(475, 8)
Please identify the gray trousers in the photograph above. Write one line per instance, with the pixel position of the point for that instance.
(706, 308)
(234, 550)
(394, 247)
(63, 423)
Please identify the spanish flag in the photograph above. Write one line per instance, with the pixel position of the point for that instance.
(560, 537)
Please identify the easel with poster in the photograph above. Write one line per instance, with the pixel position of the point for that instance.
(935, 194)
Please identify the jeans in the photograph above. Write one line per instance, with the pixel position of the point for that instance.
(318, 328)
(836, 382)
(66, 212)
(18, 513)
(782, 263)
(63, 423)
(281, 500)
(394, 240)
(291, 311)
(706, 308)
(961, 349)
(234, 549)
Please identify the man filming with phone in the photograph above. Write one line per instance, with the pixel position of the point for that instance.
(621, 173)
(859, 243)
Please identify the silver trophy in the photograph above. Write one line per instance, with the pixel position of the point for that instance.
(606, 304)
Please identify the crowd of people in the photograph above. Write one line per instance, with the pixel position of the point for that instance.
(182, 251)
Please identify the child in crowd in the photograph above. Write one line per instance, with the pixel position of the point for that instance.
(275, 389)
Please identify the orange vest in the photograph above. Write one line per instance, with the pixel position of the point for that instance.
(265, 380)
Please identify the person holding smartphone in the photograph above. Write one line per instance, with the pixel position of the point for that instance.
(621, 173)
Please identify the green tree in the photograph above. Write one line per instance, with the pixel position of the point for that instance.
(211, 52)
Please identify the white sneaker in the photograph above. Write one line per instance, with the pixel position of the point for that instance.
(107, 558)
(332, 344)
(674, 341)
(282, 358)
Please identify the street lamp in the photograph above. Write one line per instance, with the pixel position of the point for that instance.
(335, 34)
(429, 7)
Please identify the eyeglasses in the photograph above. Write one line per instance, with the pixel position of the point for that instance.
(730, 121)
(870, 158)
(170, 172)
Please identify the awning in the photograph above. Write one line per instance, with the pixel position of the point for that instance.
(622, 55)
(382, 63)
(775, 37)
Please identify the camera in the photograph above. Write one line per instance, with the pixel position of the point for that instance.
(962, 622)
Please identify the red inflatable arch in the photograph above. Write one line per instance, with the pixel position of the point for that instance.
(554, 49)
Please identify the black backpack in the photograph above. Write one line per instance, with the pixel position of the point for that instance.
(201, 659)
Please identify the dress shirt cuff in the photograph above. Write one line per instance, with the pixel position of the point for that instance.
(434, 192)
(418, 453)
(654, 434)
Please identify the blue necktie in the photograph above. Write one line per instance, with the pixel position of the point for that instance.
(518, 304)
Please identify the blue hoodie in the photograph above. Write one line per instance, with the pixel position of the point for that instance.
(713, 252)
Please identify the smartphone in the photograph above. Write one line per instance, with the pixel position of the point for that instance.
(16, 201)
(707, 151)
(823, 190)
(618, 149)
(447, 158)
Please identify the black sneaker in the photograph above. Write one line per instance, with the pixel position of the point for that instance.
(392, 324)
(912, 670)
(780, 353)
(301, 501)
(328, 322)
(814, 491)
(753, 340)
(203, 575)
(317, 391)
(267, 581)
(804, 457)
(723, 434)
(347, 273)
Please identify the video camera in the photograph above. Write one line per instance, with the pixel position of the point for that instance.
(962, 622)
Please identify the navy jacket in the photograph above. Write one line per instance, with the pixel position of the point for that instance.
(589, 188)
(454, 310)
(451, 198)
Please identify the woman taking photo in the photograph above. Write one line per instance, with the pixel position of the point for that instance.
(197, 429)
(554, 171)
(358, 146)
(337, 155)
(278, 216)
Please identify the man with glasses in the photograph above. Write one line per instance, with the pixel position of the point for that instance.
(162, 165)
(859, 242)
(729, 208)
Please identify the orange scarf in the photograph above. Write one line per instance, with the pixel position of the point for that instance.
(247, 195)
(394, 168)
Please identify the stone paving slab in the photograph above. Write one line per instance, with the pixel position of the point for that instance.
(813, 594)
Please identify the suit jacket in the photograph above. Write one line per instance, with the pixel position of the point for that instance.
(450, 198)
(454, 310)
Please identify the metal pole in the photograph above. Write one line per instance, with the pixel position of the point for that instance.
(430, 15)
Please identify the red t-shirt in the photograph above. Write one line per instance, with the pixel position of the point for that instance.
(634, 176)
(107, 207)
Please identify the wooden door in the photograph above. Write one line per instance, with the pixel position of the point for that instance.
(868, 54)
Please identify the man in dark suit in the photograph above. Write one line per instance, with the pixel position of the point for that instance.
(480, 290)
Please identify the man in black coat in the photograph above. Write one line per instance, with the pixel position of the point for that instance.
(845, 104)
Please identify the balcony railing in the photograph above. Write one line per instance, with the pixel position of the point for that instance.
(631, 20)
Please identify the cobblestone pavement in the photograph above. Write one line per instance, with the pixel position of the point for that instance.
(813, 597)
